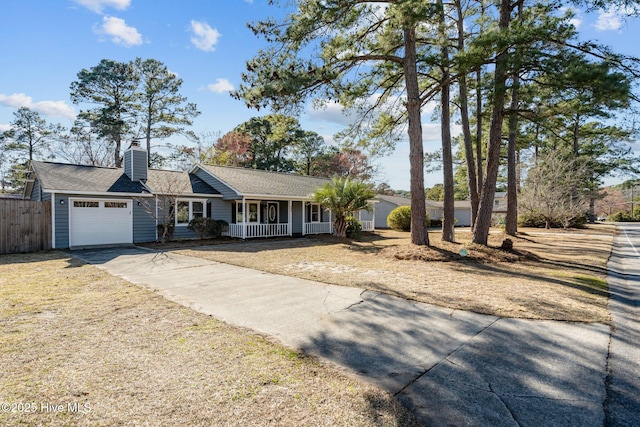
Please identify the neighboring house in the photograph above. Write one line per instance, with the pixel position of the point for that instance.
(462, 210)
(499, 207)
(101, 206)
(388, 203)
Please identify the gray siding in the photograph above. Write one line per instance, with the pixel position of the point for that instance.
(62, 220)
(383, 209)
(135, 164)
(227, 193)
(221, 209)
(463, 217)
(36, 194)
(297, 217)
(182, 232)
(144, 223)
(283, 208)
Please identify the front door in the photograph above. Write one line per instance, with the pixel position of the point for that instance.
(272, 212)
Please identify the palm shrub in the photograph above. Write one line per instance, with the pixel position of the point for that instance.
(354, 227)
(344, 197)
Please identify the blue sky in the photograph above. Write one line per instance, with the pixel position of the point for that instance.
(44, 43)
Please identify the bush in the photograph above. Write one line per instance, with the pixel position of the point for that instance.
(170, 228)
(538, 221)
(435, 223)
(621, 217)
(223, 227)
(354, 227)
(400, 218)
(207, 227)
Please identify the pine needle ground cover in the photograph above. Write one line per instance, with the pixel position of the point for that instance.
(558, 275)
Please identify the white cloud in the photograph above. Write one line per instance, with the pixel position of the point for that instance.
(204, 37)
(332, 112)
(98, 6)
(574, 14)
(221, 86)
(54, 109)
(119, 31)
(608, 21)
(576, 22)
(4, 127)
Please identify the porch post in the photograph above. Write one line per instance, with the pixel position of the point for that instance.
(304, 216)
(330, 222)
(290, 219)
(244, 218)
(373, 215)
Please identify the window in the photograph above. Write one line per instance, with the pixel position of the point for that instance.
(197, 209)
(118, 205)
(252, 212)
(182, 215)
(315, 213)
(187, 210)
(86, 204)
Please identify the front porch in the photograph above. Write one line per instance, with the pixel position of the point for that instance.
(278, 218)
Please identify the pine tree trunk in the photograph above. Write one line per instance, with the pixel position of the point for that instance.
(511, 223)
(483, 221)
(464, 119)
(116, 154)
(419, 234)
(448, 212)
(478, 137)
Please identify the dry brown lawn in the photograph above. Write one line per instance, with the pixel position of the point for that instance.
(70, 334)
(557, 275)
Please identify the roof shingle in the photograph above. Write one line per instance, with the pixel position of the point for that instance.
(266, 183)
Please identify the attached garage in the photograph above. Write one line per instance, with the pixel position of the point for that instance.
(100, 221)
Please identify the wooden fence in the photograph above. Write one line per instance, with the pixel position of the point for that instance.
(25, 226)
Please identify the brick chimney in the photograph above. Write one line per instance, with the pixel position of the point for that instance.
(135, 162)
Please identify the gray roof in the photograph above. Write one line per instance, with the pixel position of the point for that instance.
(405, 201)
(176, 182)
(247, 181)
(396, 200)
(64, 177)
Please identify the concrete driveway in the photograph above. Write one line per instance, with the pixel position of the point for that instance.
(452, 368)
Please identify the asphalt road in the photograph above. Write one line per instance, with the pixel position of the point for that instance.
(622, 405)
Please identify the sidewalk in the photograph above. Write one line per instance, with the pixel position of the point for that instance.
(450, 367)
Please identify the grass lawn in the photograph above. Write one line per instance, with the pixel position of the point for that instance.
(70, 334)
(558, 275)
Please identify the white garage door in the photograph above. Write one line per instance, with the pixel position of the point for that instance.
(100, 222)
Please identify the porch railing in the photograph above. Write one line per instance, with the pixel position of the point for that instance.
(258, 230)
(368, 225)
(318, 228)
